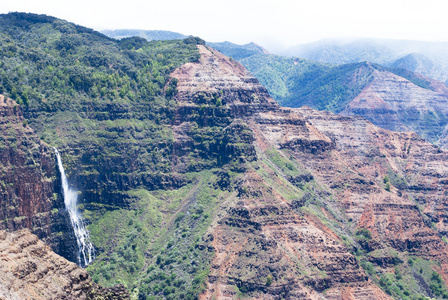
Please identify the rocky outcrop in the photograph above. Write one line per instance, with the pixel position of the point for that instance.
(29, 269)
(29, 185)
(214, 96)
(215, 77)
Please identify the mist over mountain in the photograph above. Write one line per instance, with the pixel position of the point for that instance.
(149, 35)
(432, 57)
(238, 52)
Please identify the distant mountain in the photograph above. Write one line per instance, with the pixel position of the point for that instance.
(392, 98)
(295, 81)
(227, 48)
(238, 52)
(281, 75)
(427, 58)
(422, 64)
(413, 61)
(150, 35)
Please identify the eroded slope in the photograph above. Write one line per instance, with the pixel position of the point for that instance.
(325, 195)
(29, 269)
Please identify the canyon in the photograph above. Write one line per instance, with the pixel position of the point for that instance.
(197, 184)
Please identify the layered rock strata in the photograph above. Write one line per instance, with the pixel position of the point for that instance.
(29, 269)
(266, 245)
(394, 103)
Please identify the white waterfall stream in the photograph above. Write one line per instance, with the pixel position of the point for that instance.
(86, 252)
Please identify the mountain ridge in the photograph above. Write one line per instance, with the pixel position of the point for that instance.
(382, 51)
(295, 82)
(149, 35)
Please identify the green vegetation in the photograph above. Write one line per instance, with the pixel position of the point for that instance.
(149, 199)
(364, 233)
(387, 187)
(280, 75)
(180, 261)
(269, 280)
(415, 279)
(167, 225)
(52, 61)
(235, 51)
(295, 82)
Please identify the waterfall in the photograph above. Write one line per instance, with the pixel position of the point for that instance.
(86, 252)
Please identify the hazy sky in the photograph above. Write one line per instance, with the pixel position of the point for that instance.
(273, 24)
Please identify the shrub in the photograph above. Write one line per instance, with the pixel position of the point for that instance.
(365, 233)
(269, 280)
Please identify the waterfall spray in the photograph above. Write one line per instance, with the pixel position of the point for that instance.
(86, 252)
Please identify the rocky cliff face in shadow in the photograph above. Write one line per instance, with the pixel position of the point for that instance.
(29, 183)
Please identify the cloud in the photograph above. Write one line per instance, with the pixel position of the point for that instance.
(280, 22)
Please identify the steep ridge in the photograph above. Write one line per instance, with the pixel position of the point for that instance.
(30, 192)
(30, 270)
(394, 99)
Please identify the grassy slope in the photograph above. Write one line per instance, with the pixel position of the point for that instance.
(154, 247)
